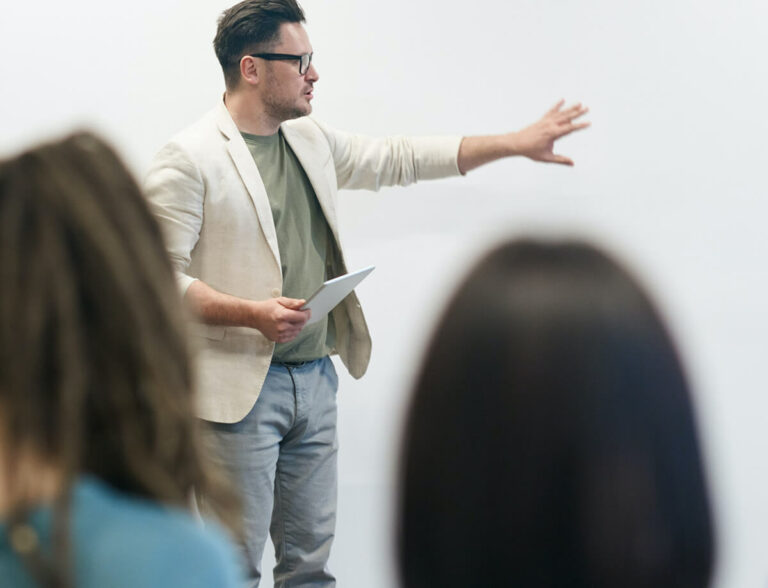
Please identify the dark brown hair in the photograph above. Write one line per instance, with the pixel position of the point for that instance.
(95, 373)
(551, 439)
(248, 27)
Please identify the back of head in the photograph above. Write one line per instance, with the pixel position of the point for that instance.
(249, 27)
(551, 439)
(94, 369)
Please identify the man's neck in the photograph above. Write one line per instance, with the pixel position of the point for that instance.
(249, 115)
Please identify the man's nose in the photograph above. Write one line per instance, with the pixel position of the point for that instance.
(312, 74)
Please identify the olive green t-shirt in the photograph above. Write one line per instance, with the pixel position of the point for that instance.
(303, 238)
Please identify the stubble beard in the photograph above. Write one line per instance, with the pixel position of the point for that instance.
(282, 110)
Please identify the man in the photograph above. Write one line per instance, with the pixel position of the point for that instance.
(247, 198)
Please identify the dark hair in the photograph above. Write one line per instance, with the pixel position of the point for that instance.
(551, 439)
(248, 27)
(95, 374)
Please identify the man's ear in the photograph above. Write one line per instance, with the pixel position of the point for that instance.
(249, 70)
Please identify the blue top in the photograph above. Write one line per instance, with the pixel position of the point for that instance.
(121, 541)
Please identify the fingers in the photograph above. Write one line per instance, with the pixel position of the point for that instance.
(569, 127)
(556, 108)
(296, 317)
(287, 336)
(571, 113)
(558, 114)
(289, 319)
(563, 119)
(281, 319)
(290, 325)
(576, 110)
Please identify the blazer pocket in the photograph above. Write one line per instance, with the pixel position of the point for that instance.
(213, 332)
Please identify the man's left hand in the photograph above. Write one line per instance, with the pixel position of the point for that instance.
(537, 141)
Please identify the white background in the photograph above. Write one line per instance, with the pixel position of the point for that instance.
(671, 176)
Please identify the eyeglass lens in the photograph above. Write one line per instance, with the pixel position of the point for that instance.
(306, 59)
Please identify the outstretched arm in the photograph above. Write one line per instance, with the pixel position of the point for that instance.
(535, 142)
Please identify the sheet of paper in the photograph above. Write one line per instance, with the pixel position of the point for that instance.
(332, 292)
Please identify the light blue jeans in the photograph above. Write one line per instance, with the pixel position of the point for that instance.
(283, 457)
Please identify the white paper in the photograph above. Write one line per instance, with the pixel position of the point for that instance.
(332, 292)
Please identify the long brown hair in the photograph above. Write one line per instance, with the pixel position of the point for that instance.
(95, 373)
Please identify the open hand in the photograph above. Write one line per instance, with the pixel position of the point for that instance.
(537, 141)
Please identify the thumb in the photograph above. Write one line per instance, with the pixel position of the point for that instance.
(561, 159)
(292, 303)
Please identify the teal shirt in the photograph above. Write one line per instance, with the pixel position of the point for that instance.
(303, 238)
(120, 541)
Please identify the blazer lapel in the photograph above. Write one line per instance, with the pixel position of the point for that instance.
(315, 170)
(249, 173)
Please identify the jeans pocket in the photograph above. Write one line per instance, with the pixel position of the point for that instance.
(330, 372)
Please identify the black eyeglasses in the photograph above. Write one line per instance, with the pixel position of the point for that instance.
(304, 60)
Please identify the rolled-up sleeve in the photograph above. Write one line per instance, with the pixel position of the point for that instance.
(175, 190)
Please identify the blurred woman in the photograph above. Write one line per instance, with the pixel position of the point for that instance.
(99, 448)
(551, 439)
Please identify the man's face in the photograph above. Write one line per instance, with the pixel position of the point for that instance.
(286, 93)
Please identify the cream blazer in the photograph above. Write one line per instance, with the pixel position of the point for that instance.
(211, 203)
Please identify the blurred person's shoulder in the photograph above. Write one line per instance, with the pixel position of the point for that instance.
(123, 540)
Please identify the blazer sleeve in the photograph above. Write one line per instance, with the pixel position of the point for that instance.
(175, 189)
(372, 162)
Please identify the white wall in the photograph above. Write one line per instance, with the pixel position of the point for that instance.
(672, 176)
